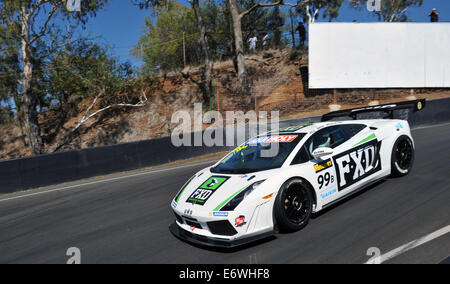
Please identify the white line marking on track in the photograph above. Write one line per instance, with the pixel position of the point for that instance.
(105, 180)
(409, 246)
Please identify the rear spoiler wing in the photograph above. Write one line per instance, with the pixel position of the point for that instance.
(388, 109)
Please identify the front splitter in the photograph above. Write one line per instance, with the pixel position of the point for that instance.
(213, 242)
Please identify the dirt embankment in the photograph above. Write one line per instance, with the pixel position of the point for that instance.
(280, 83)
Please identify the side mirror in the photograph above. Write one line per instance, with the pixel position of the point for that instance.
(322, 152)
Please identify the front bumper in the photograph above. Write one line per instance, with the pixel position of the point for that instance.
(214, 242)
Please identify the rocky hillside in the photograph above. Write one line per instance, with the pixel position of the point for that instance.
(280, 83)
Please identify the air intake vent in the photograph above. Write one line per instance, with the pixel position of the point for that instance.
(179, 219)
(223, 228)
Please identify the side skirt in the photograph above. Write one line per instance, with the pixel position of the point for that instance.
(352, 193)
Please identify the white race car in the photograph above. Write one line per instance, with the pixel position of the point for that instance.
(249, 194)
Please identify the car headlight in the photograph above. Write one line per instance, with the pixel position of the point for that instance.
(177, 197)
(240, 196)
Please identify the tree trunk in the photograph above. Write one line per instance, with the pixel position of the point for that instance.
(207, 92)
(292, 30)
(238, 42)
(29, 101)
(311, 12)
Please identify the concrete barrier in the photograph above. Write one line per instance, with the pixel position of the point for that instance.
(50, 169)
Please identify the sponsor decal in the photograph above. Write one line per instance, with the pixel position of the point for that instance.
(323, 165)
(244, 176)
(174, 205)
(240, 221)
(399, 126)
(357, 163)
(204, 192)
(239, 149)
(328, 194)
(220, 214)
(282, 139)
(273, 139)
(258, 140)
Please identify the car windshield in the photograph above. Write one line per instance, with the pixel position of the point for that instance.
(252, 156)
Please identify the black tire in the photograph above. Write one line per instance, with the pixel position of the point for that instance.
(402, 158)
(293, 206)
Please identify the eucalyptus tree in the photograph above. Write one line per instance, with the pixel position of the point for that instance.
(35, 21)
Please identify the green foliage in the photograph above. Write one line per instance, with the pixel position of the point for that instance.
(65, 71)
(48, 33)
(9, 57)
(219, 29)
(161, 45)
(261, 21)
(81, 71)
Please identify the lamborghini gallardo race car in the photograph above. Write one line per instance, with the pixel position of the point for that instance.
(249, 195)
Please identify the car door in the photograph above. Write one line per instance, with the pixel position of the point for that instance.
(325, 175)
(357, 159)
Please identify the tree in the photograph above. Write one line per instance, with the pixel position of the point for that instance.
(9, 57)
(292, 15)
(391, 10)
(205, 85)
(208, 68)
(237, 15)
(218, 26)
(36, 19)
(84, 73)
(161, 45)
(276, 22)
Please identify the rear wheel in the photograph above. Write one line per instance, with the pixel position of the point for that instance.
(293, 206)
(402, 158)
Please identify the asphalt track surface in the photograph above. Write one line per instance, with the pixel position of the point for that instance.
(126, 219)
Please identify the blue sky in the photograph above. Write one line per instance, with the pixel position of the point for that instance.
(120, 23)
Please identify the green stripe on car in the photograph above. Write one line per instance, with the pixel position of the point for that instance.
(181, 193)
(229, 198)
(371, 137)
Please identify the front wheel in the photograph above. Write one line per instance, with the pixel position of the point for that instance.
(293, 206)
(402, 156)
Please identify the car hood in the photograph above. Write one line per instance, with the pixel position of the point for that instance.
(210, 191)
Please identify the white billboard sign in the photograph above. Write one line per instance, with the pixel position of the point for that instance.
(379, 55)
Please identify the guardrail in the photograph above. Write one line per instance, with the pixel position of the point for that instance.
(50, 169)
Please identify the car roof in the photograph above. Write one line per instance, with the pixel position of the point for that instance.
(315, 126)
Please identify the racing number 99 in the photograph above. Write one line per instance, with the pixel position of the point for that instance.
(325, 180)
